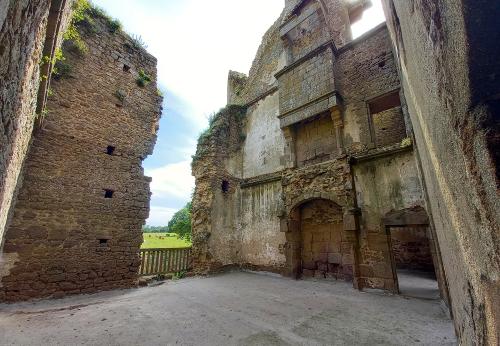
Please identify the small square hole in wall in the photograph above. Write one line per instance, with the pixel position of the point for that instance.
(225, 186)
(103, 241)
(126, 68)
(110, 150)
(108, 193)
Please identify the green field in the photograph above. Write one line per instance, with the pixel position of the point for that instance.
(163, 241)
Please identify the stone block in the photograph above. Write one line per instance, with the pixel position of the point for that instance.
(349, 222)
(320, 247)
(334, 246)
(322, 267)
(365, 270)
(334, 258)
(311, 265)
(321, 257)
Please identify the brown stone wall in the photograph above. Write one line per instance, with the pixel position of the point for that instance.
(315, 140)
(365, 70)
(326, 250)
(215, 212)
(411, 248)
(389, 127)
(306, 82)
(450, 70)
(325, 131)
(23, 26)
(383, 185)
(66, 237)
(309, 33)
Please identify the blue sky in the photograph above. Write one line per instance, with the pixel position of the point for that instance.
(196, 43)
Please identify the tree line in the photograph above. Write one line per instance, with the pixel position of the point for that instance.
(179, 224)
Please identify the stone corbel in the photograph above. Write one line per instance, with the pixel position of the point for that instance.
(289, 225)
(351, 217)
(338, 124)
(290, 159)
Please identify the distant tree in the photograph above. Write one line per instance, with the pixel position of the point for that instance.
(155, 229)
(181, 222)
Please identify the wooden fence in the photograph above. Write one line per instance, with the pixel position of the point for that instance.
(164, 261)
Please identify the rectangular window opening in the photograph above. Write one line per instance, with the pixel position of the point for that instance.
(385, 102)
(110, 150)
(108, 193)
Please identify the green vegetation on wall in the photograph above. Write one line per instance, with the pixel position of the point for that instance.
(143, 79)
(83, 18)
(218, 130)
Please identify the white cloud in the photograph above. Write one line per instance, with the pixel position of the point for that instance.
(197, 42)
(160, 216)
(172, 180)
(372, 17)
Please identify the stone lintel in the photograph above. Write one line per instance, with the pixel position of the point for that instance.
(321, 104)
(261, 179)
(416, 216)
(378, 153)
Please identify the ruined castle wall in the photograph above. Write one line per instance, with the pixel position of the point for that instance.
(264, 141)
(365, 70)
(224, 236)
(77, 224)
(449, 67)
(261, 239)
(22, 36)
(383, 185)
(216, 200)
(292, 152)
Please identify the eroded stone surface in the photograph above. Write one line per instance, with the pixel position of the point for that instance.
(451, 83)
(77, 222)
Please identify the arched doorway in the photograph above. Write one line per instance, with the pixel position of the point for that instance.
(319, 246)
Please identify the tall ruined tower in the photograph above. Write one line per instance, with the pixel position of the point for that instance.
(77, 225)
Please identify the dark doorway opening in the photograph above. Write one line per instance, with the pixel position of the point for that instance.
(413, 261)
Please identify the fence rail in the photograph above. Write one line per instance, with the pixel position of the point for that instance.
(164, 261)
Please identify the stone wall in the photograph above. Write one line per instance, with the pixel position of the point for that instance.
(77, 224)
(308, 136)
(365, 70)
(264, 140)
(217, 164)
(411, 248)
(388, 127)
(449, 68)
(315, 140)
(261, 241)
(25, 31)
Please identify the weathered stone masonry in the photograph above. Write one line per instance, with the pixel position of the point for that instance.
(28, 30)
(326, 155)
(77, 224)
(450, 71)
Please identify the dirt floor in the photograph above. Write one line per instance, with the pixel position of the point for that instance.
(237, 308)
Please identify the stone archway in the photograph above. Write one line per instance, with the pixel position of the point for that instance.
(318, 243)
